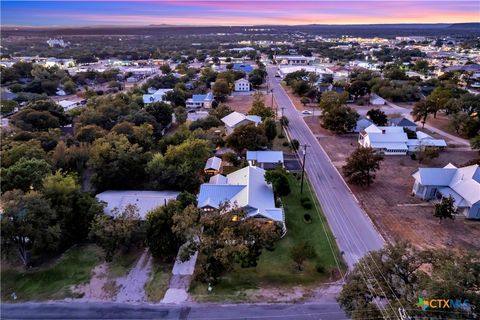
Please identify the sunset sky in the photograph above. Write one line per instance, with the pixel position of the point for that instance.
(84, 13)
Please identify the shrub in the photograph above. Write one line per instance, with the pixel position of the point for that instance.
(295, 144)
(281, 136)
(285, 144)
(307, 218)
(320, 268)
(306, 203)
(413, 156)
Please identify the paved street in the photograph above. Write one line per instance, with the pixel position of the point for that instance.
(350, 225)
(325, 310)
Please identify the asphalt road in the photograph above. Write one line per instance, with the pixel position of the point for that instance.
(65, 310)
(352, 228)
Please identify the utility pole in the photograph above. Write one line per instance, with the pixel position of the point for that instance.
(271, 104)
(305, 146)
(281, 121)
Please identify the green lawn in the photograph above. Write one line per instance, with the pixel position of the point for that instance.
(52, 282)
(277, 143)
(276, 268)
(159, 280)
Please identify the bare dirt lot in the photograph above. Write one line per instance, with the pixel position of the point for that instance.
(243, 103)
(398, 215)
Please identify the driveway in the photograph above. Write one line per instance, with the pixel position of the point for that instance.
(352, 228)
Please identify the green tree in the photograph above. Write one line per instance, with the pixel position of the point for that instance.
(180, 115)
(270, 128)
(28, 225)
(304, 101)
(341, 119)
(161, 239)
(475, 141)
(89, 133)
(117, 163)
(12, 151)
(301, 252)
(25, 174)
(457, 120)
(162, 112)
(445, 209)
(69, 86)
(421, 110)
(259, 108)
(359, 88)
(278, 179)
(33, 120)
(247, 137)
(165, 68)
(180, 167)
(377, 116)
(361, 166)
(121, 230)
(332, 100)
(221, 89)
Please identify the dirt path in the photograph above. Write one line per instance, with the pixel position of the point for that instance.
(98, 288)
(132, 286)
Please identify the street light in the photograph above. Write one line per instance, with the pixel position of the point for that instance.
(305, 146)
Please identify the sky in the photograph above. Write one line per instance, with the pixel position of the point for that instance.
(279, 12)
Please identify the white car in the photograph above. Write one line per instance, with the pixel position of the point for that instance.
(307, 112)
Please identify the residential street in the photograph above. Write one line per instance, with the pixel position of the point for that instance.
(350, 225)
(65, 310)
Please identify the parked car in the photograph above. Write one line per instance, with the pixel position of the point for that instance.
(307, 112)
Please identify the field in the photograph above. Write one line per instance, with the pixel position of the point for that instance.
(398, 215)
(53, 281)
(243, 103)
(275, 278)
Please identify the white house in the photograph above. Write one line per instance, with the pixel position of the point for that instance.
(293, 59)
(157, 96)
(237, 119)
(462, 184)
(362, 124)
(245, 188)
(61, 63)
(392, 140)
(200, 101)
(69, 105)
(145, 201)
(242, 85)
(377, 100)
(265, 159)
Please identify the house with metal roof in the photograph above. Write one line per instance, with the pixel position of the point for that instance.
(403, 122)
(265, 159)
(200, 101)
(392, 140)
(237, 119)
(242, 85)
(243, 67)
(213, 165)
(245, 188)
(157, 96)
(145, 201)
(376, 100)
(362, 124)
(462, 184)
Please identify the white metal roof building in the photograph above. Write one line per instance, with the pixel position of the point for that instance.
(265, 159)
(157, 96)
(237, 119)
(394, 141)
(144, 200)
(213, 163)
(247, 189)
(462, 184)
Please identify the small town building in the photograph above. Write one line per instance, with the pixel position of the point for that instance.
(242, 85)
(237, 119)
(462, 184)
(213, 166)
(243, 67)
(145, 201)
(265, 159)
(198, 101)
(157, 96)
(69, 105)
(377, 100)
(245, 188)
(403, 122)
(362, 124)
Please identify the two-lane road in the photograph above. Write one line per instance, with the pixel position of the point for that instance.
(102, 310)
(352, 228)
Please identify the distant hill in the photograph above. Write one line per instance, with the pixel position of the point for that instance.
(470, 25)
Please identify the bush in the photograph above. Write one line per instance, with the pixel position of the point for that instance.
(295, 144)
(306, 203)
(413, 156)
(281, 136)
(307, 218)
(320, 268)
(285, 144)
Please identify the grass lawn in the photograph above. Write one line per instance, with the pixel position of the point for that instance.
(276, 269)
(159, 280)
(54, 282)
(277, 143)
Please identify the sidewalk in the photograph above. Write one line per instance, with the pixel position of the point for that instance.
(180, 282)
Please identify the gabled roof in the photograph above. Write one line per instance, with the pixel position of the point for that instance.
(463, 181)
(235, 118)
(144, 200)
(213, 163)
(242, 80)
(246, 188)
(265, 156)
(402, 122)
(242, 67)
